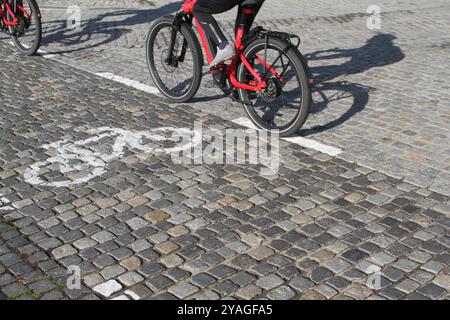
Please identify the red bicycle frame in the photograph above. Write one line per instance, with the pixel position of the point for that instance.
(259, 84)
(7, 8)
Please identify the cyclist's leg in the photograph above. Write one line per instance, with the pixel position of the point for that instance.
(251, 17)
(203, 11)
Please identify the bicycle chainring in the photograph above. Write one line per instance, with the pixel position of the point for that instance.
(273, 90)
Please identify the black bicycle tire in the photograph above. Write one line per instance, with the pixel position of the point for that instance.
(32, 50)
(194, 45)
(295, 56)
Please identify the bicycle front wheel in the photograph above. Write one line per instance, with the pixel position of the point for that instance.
(284, 105)
(26, 34)
(180, 80)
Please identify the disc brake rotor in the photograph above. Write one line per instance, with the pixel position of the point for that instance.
(168, 68)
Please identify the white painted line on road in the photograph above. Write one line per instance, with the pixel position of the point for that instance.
(128, 82)
(107, 75)
(245, 122)
(141, 8)
(45, 54)
(52, 9)
(315, 145)
(110, 76)
(42, 53)
(301, 141)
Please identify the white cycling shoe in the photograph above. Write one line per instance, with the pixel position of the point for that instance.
(223, 55)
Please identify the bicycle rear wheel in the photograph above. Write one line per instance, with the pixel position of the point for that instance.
(181, 80)
(285, 104)
(27, 33)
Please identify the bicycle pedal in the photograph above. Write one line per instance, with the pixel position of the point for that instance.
(221, 65)
(216, 68)
(220, 77)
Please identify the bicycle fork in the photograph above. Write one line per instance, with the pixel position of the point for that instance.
(172, 59)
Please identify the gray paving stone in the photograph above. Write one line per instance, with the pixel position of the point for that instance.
(159, 282)
(203, 280)
(130, 278)
(432, 290)
(106, 289)
(325, 290)
(249, 292)
(225, 288)
(421, 276)
(405, 265)
(320, 274)
(433, 266)
(221, 271)
(301, 284)
(103, 236)
(407, 286)
(243, 278)
(52, 295)
(183, 290)
(150, 269)
(269, 282)
(318, 209)
(392, 293)
(63, 251)
(14, 290)
(337, 265)
(281, 293)
(113, 271)
(42, 286)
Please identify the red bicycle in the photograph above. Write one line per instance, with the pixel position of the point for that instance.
(269, 75)
(21, 19)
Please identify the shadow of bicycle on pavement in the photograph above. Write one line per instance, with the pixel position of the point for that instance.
(379, 51)
(330, 90)
(102, 29)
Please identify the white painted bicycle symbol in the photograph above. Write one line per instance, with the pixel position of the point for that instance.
(82, 164)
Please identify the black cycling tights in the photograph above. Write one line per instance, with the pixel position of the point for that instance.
(203, 11)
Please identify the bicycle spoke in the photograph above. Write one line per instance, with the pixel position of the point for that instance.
(277, 109)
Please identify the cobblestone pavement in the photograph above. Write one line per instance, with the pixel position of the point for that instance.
(149, 229)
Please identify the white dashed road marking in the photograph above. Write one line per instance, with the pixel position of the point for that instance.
(45, 54)
(128, 82)
(315, 145)
(107, 75)
(301, 141)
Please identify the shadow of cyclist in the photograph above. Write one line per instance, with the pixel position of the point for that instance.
(378, 51)
(102, 29)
